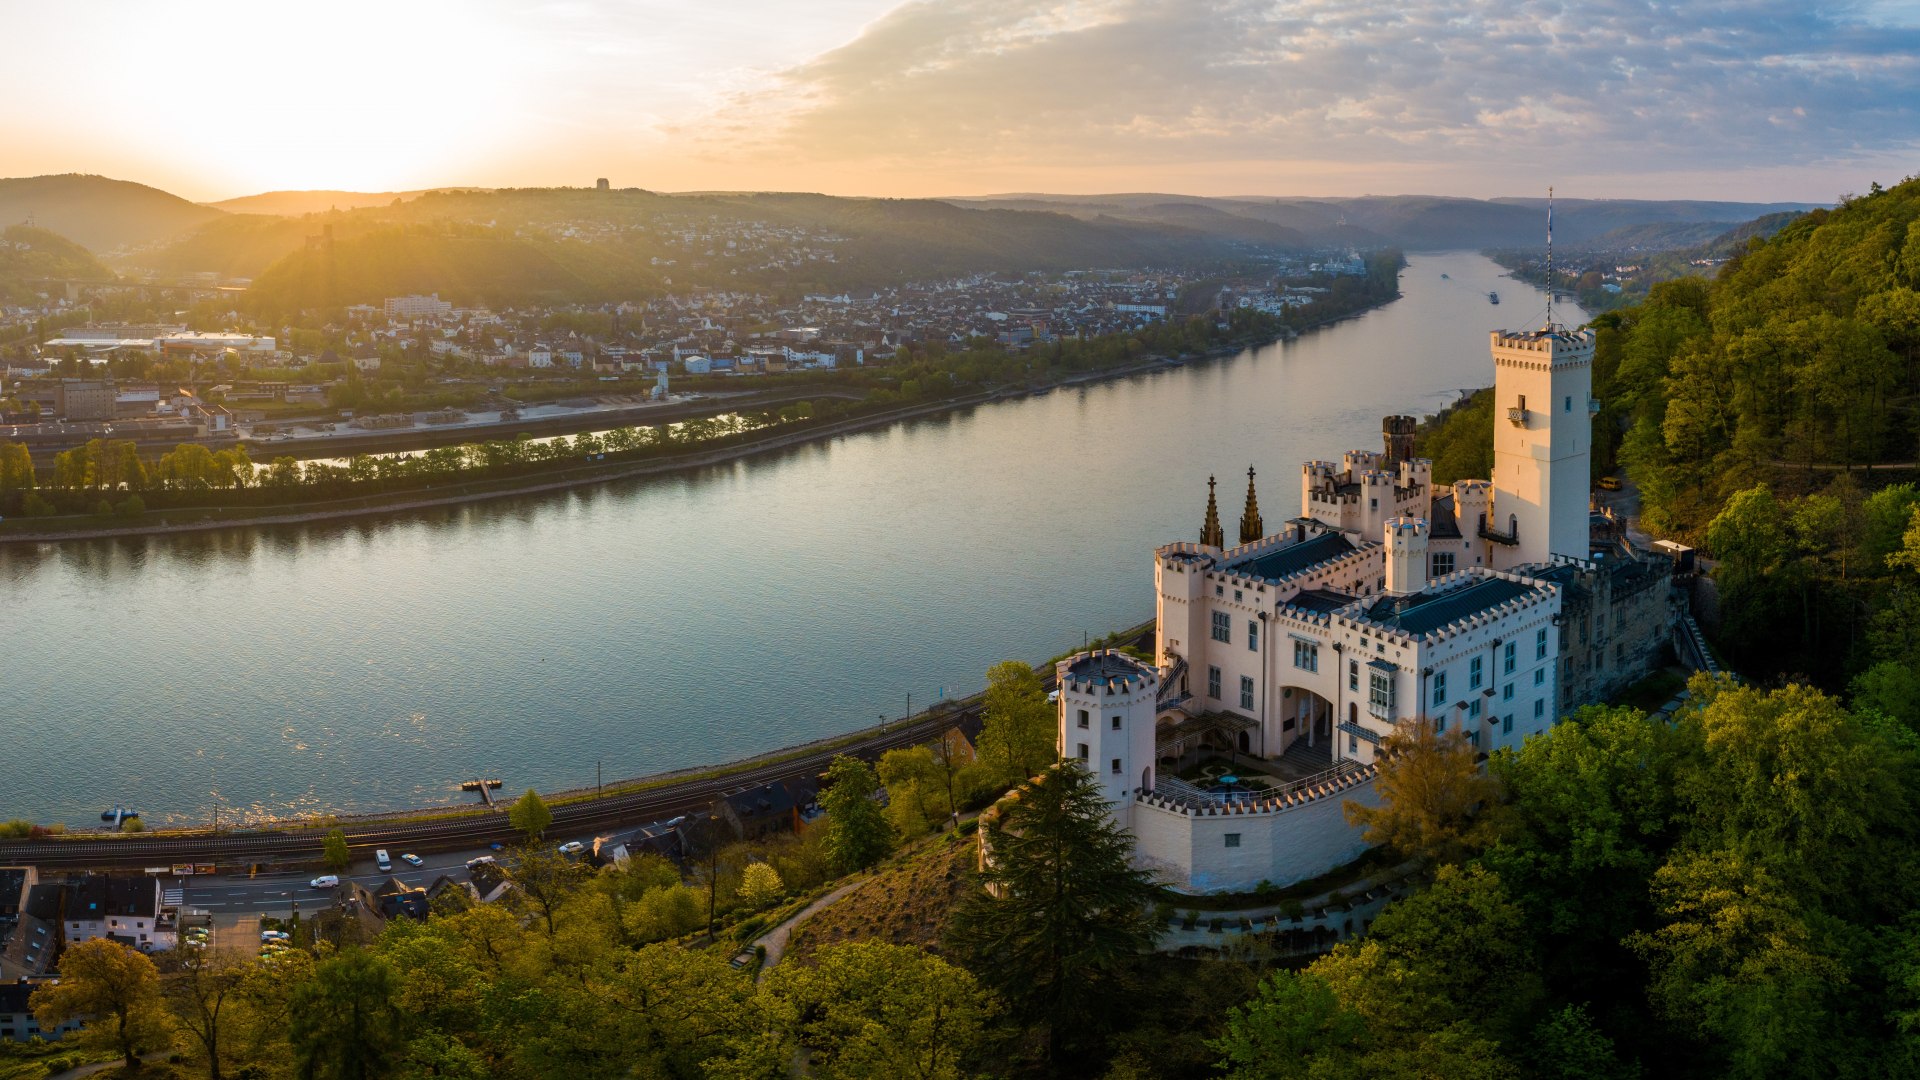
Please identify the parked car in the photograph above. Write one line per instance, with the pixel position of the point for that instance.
(326, 881)
(380, 860)
(478, 861)
(1609, 483)
(275, 935)
(572, 847)
(411, 859)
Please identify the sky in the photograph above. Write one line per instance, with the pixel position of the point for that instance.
(1722, 99)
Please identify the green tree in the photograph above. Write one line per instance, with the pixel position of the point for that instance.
(344, 1023)
(858, 834)
(1435, 802)
(335, 852)
(878, 1011)
(1063, 911)
(1294, 1028)
(760, 886)
(204, 995)
(115, 990)
(530, 815)
(1019, 735)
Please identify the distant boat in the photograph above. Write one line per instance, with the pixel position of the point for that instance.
(1445, 277)
(1493, 298)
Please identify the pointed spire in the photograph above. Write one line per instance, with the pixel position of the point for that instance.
(1210, 534)
(1251, 528)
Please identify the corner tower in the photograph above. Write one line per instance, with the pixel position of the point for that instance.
(1108, 706)
(1542, 444)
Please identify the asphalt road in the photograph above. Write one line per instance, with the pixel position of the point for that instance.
(275, 894)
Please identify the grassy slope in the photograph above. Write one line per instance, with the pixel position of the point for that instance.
(906, 904)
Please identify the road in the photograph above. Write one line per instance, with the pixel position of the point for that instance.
(467, 833)
(275, 894)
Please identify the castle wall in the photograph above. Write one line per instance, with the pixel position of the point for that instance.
(1190, 853)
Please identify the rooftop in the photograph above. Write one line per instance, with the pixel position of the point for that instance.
(1106, 664)
(1290, 560)
(1324, 601)
(1426, 611)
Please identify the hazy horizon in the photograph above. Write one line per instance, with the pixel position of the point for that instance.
(213, 99)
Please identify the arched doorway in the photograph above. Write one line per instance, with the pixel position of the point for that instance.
(1304, 718)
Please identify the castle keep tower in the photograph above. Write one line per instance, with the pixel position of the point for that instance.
(1542, 444)
(1107, 711)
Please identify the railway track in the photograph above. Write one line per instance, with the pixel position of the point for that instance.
(621, 809)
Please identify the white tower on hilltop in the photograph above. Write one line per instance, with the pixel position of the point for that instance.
(1542, 444)
(1107, 712)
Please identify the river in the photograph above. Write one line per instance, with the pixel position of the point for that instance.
(648, 625)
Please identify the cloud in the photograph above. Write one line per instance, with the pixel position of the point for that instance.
(1104, 84)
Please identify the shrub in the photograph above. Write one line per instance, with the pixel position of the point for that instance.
(35, 506)
(131, 506)
(103, 508)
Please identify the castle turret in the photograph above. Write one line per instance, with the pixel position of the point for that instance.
(1406, 543)
(1108, 705)
(1210, 533)
(1251, 527)
(1398, 434)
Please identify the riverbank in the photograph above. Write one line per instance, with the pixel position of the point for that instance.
(565, 477)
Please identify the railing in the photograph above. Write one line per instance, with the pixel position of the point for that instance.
(1179, 793)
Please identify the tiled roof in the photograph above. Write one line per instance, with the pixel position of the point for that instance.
(1294, 558)
(1425, 611)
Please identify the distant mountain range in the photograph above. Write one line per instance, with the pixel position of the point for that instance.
(319, 248)
(1416, 222)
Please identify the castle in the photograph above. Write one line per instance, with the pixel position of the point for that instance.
(1494, 607)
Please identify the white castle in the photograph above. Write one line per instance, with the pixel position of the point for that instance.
(1282, 664)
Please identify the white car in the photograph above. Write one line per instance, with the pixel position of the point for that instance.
(481, 860)
(572, 847)
(380, 860)
(411, 859)
(326, 881)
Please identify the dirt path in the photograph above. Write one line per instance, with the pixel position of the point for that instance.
(774, 941)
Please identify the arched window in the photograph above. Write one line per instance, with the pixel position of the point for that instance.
(1513, 526)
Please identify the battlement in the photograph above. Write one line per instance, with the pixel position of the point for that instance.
(1184, 800)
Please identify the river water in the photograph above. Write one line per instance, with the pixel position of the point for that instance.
(649, 625)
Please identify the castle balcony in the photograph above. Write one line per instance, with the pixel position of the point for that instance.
(1517, 416)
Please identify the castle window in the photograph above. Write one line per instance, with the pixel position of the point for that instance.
(1539, 676)
(1116, 767)
(1440, 563)
(1306, 656)
(1540, 645)
(1380, 694)
(1475, 709)
(1506, 725)
(1569, 403)
(1473, 673)
(1116, 723)
(1083, 718)
(1232, 839)
(1539, 709)
(1508, 658)
(1253, 636)
(1213, 682)
(1353, 675)
(1353, 744)
(1439, 688)
(1222, 626)
(1246, 691)
(1236, 594)
(1373, 504)
(1083, 751)
(1440, 726)
(1506, 692)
